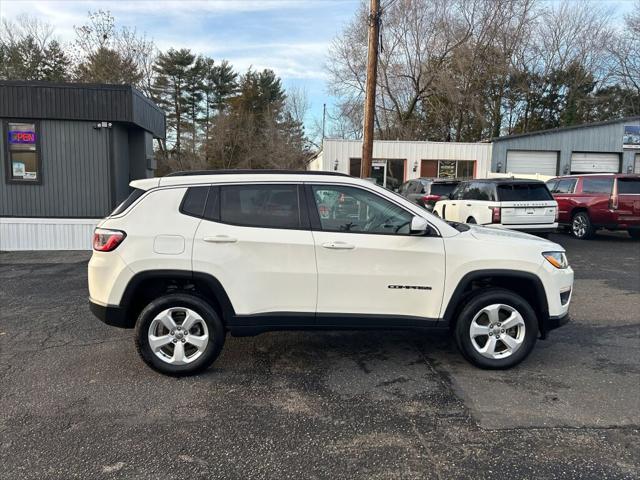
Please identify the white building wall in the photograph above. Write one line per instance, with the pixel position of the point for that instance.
(46, 233)
(412, 152)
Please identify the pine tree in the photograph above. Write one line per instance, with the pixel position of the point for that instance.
(108, 66)
(55, 64)
(170, 89)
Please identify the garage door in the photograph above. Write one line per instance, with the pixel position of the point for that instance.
(595, 163)
(529, 161)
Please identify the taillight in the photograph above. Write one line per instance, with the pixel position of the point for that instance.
(495, 214)
(105, 240)
(431, 198)
(613, 198)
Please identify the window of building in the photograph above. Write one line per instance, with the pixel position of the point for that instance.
(449, 168)
(348, 209)
(269, 206)
(22, 153)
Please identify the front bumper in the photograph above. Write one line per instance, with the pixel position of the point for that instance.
(110, 314)
(551, 323)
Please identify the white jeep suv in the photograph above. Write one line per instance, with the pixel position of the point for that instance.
(190, 257)
(516, 204)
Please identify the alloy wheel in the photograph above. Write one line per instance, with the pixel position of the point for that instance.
(497, 331)
(178, 336)
(579, 226)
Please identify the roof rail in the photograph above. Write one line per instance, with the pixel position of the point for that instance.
(252, 171)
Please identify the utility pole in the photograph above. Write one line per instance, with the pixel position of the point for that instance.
(324, 118)
(370, 92)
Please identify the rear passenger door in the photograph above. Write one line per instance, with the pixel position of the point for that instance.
(255, 239)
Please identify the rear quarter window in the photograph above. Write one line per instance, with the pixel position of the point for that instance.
(442, 189)
(597, 185)
(130, 200)
(523, 192)
(629, 186)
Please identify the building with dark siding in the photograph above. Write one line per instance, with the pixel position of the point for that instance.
(68, 153)
(612, 146)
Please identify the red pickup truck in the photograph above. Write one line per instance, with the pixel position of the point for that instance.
(590, 202)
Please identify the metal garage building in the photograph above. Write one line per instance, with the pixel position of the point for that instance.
(603, 147)
(395, 162)
(68, 153)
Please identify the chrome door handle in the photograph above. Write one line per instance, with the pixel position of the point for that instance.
(338, 246)
(220, 239)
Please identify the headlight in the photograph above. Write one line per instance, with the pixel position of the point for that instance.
(557, 259)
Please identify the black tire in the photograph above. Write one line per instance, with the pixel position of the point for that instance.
(213, 323)
(634, 233)
(472, 221)
(473, 306)
(581, 226)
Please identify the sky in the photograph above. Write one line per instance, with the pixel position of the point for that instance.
(289, 36)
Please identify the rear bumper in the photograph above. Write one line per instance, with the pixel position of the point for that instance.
(533, 228)
(110, 314)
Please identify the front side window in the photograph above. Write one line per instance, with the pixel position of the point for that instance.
(565, 186)
(268, 206)
(22, 152)
(597, 185)
(349, 209)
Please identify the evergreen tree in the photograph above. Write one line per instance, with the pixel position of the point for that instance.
(55, 64)
(108, 66)
(172, 70)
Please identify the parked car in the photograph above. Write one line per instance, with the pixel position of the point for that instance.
(516, 204)
(590, 202)
(427, 191)
(187, 258)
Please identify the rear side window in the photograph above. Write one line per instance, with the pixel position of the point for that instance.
(597, 185)
(194, 201)
(479, 191)
(629, 186)
(269, 206)
(522, 192)
(133, 196)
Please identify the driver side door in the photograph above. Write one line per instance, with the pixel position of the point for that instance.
(368, 263)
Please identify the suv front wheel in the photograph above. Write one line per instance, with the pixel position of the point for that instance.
(496, 329)
(179, 334)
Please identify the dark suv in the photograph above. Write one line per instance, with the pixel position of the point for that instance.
(598, 201)
(427, 191)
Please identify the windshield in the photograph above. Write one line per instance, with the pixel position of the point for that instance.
(442, 189)
(461, 227)
(519, 192)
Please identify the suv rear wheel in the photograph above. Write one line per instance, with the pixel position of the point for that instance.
(581, 226)
(496, 329)
(179, 334)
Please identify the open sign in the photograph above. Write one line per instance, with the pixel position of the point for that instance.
(22, 137)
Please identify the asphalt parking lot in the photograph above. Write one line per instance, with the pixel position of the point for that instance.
(77, 402)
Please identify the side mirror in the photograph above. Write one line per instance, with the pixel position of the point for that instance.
(419, 226)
